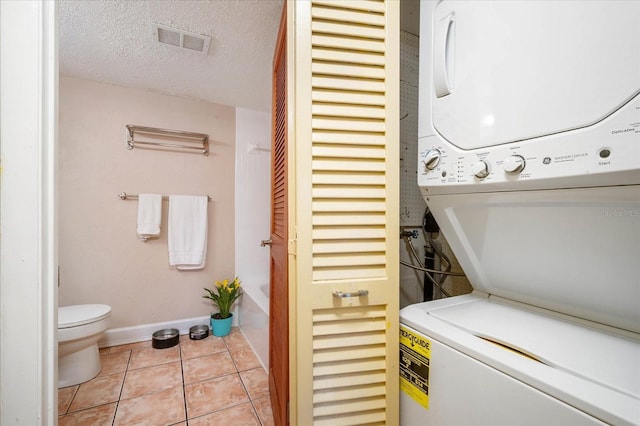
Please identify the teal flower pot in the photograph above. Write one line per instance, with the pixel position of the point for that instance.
(221, 327)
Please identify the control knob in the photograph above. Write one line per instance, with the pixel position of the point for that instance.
(480, 169)
(514, 164)
(432, 158)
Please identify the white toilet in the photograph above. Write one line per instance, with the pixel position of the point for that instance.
(79, 329)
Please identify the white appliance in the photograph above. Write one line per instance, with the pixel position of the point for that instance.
(529, 153)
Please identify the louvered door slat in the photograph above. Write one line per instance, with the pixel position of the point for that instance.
(352, 178)
(343, 14)
(367, 418)
(364, 218)
(350, 393)
(351, 98)
(347, 43)
(348, 206)
(348, 407)
(339, 355)
(352, 138)
(368, 6)
(338, 28)
(348, 70)
(323, 247)
(344, 191)
(349, 84)
(329, 384)
(348, 165)
(353, 125)
(348, 57)
(338, 110)
(348, 151)
(350, 233)
(348, 341)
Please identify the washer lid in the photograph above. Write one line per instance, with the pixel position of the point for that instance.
(76, 315)
(573, 251)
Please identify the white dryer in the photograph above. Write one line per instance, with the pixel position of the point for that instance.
(530, 162)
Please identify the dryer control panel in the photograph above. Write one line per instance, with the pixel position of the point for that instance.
(607, 153)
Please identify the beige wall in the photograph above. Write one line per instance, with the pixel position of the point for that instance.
(101, 258)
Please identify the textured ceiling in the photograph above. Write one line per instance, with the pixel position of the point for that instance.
(113, 42)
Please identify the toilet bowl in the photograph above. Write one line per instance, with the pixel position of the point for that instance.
(79, 329)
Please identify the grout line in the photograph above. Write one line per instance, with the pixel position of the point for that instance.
(66, 410)
(124, 378)
(256, 412)
(184, 386)
(249, 396)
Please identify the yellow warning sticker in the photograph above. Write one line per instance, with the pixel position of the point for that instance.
(415, 354)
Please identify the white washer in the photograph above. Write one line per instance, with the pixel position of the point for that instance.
(530, 162)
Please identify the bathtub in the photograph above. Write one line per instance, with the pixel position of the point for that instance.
(253, 320)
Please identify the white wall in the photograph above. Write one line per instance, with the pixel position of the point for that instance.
(101, 258)
(253, 210)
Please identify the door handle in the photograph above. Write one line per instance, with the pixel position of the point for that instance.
(358, 293)
(264, 243)
(443, 55)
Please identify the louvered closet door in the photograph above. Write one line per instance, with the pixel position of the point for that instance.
(278, 289)
(346, 210)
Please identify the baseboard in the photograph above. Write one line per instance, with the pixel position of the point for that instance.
(141, 333)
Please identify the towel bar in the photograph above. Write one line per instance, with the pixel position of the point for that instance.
(180, 139)
(125, 196)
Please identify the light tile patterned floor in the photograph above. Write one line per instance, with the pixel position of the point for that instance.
(214, 381)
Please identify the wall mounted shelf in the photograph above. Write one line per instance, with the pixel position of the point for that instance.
(149, 137)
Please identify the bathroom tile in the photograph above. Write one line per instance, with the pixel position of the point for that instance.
(239, 415)
(263, 408)
(215, 394)
(114, 363)
(99, 391)
(65, 395)
(153, 382)
(131, 346)
(235, 340)
(195, 348)
(256, 381)
(148, 357)
(207, 367)
(161, 408)
(151, 379)
(97, 416)
(245, 359)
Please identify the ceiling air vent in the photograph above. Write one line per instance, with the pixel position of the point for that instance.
(184, 39)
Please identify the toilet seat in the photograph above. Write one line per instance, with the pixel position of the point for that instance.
(77, 315)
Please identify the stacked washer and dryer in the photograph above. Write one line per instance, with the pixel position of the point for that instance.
(529, 159)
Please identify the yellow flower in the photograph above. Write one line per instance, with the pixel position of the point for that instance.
(224, 295)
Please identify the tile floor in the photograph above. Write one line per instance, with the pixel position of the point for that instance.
(214, 381)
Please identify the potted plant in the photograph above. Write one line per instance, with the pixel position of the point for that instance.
(223, 295)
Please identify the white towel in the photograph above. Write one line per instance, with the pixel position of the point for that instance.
(187, 239)
(149, 215)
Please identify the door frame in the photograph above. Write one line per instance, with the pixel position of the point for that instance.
(28, 222)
